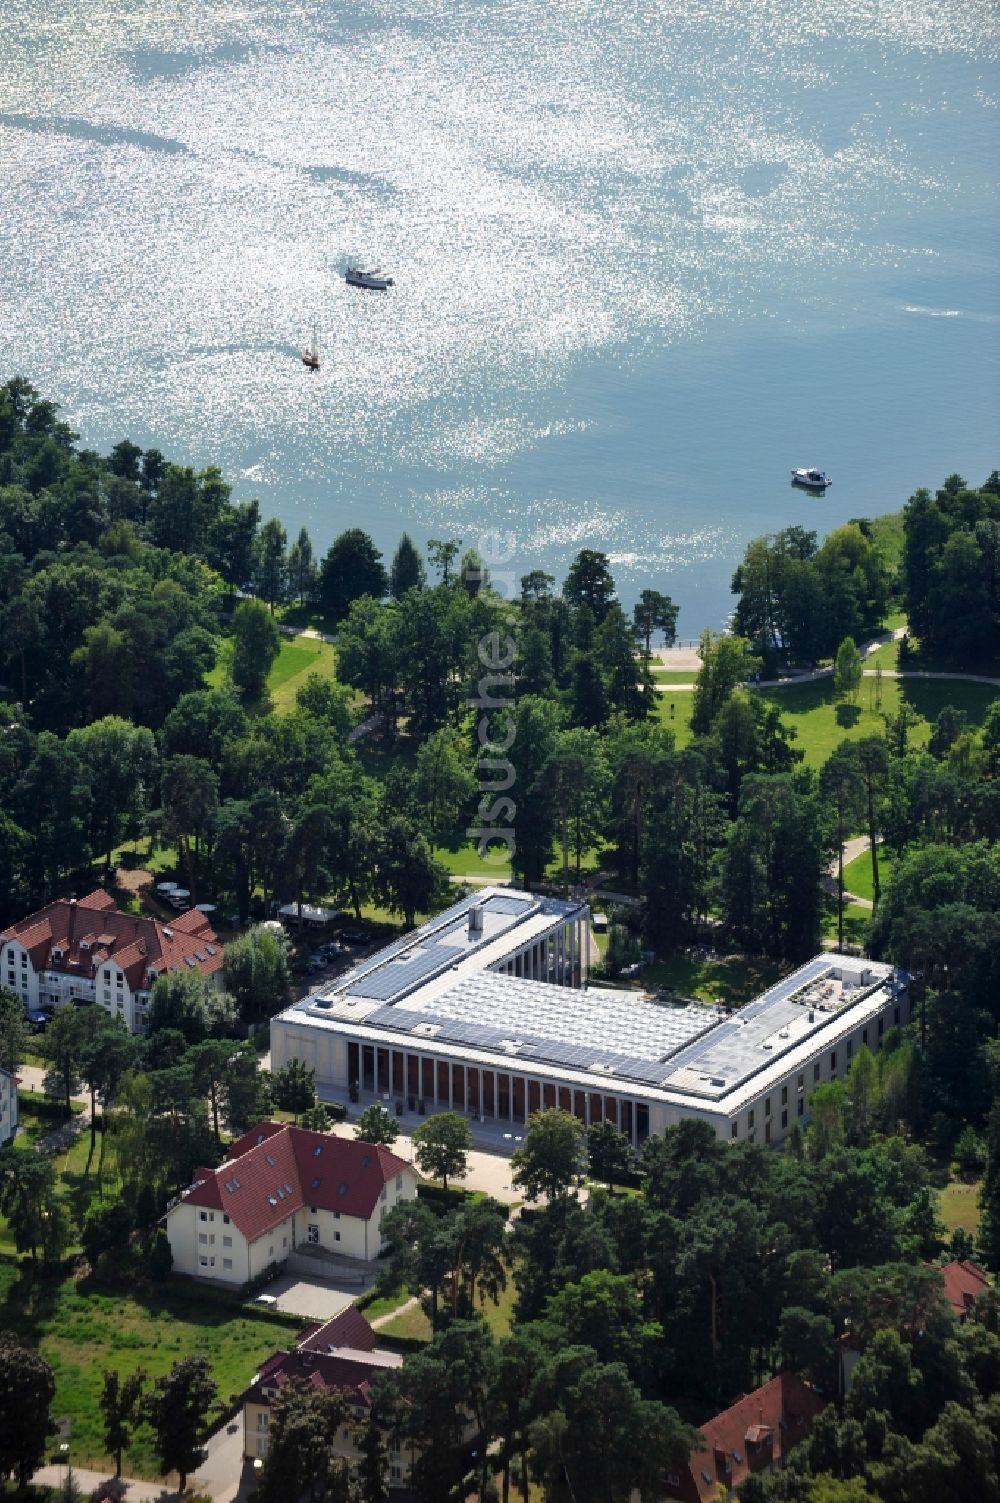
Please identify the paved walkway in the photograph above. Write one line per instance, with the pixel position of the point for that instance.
(812, 675)
(139, 1491)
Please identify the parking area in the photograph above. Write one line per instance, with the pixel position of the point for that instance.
(313, 1299)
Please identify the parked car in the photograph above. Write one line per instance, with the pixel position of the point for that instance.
(355, 936)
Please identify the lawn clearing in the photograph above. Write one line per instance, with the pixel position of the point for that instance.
(811, 709)
(674, 710)
(83, 1329)
(858, 873)
(292, 667)
(958, 1206)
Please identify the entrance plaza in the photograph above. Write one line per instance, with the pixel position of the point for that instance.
(485, 1010)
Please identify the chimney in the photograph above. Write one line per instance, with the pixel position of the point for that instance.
(475, 920)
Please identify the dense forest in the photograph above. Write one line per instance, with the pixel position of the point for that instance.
(140, 618)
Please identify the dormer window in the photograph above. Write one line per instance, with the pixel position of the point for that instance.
(57, 953)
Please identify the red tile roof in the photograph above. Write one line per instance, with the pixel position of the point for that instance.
(964, 1281)
(277, 1169)
(90, 930)
(353, 1373)
(750, 1435)
(348, 1329)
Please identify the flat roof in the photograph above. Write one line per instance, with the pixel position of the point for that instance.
(436, 989)
(486, 927)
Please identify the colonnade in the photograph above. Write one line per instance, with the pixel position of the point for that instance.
(490, 1094)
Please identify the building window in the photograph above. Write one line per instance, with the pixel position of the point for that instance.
(802, 1104)
(227, 1262)
(734, 1131)
(881, 1027)
(336, 1236)
(750, 1118)
(203, 1215)
(107, 975)
(312, 1234)
(850, 1048)
(270, 1251)
(784, 1095)
(399, 1181)
(784, 1119)
(767, 1106)
(816, 1071)
(227, 1241)
(262, 1445)
(262, 1420)
(833, 1061)
(864, 1035)
(203, 1237)
(203, 1262)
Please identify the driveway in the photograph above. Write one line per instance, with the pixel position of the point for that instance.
(313, 1299)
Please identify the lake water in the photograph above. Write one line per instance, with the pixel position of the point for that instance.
(648, 257)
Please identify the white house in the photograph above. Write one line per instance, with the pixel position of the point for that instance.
(8, 1106)
(87, 950)
(342, 1354)
(283, 1187)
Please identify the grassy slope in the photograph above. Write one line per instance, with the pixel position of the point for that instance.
(83, 1329)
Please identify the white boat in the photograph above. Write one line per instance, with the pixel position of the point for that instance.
(811, 480)
(357, 276)
(310, 355)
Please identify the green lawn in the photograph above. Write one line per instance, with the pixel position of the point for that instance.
(675, 710)
(298, 657)
(293, 665)
(674, 675)
(83, 1329)
(958, 1206)
(812, 710)
(858, 873)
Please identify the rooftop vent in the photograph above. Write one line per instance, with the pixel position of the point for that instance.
(168, 934)
(476, 919)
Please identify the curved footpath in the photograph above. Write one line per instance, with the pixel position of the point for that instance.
(815, 674)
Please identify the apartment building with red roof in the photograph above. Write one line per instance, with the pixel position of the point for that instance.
(87, 950)
(283, 1187)
(752, 1435)
(341, 1354)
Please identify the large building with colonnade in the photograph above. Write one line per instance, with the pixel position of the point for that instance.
(486, 1010)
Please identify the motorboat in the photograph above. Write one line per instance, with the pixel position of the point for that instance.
(357, 276)
(310, 355)
(811, 480)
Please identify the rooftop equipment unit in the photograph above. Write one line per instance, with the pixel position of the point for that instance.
(475, 920)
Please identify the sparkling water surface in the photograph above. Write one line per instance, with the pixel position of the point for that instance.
(648, 257)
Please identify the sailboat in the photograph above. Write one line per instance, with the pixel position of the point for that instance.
(310, 356)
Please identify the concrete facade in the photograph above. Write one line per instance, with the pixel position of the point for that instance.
(503, 1028)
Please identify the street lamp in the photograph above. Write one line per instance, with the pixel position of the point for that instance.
(63, 1458)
